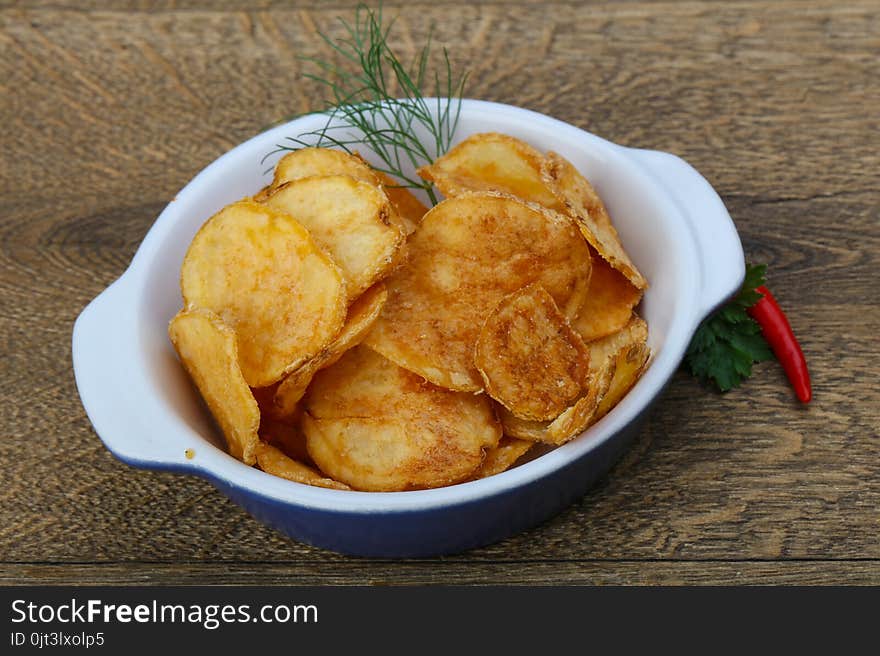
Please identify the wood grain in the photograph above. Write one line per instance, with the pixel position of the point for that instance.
(105, 114)
(548, 572)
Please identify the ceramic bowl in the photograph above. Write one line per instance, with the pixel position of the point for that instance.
(147, 413)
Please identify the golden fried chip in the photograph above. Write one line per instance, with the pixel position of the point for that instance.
(492, 162)
(582, 414)
(582, 202)
(319, 162)
(525, 429)
(361, 316)
(503, 456)
(634, 332)
(376, 426)
(262, 194)
(609, 303)
(570, 423)
(285, 434)
(268, 411)
(264, 396)
(629, 351)
(470, 252)
(267, 279)
(207, 349)
(274, 461)
(409, 208)
(631, 364)
(349, 220)
(531, 360)
(575, 419)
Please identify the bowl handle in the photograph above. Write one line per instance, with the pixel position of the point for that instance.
(111, 389)
(719, 250)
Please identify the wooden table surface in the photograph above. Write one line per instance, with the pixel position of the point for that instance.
(108, 108)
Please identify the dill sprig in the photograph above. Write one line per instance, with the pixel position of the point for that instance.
(378, 102)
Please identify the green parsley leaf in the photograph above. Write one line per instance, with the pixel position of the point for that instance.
(729, 341)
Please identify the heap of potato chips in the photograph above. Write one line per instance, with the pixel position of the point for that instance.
(344, 336)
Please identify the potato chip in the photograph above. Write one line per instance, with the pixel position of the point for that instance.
(492, 162)
(634, 332)
(317, 162)
(470, 252)
(285, 434)
(609, 303)
(320, 162)
(629, 351)
(631, 364)
(264, 396)
(570, 423)
(361, 316)
(207, 349)
(582, 202)
(576, 419)
(276, 462)
(267, 279)
(525, 429)
(409, 208)
(349, 220)
(262, 194)
(502, 457)
(530, 358)
(376, 426)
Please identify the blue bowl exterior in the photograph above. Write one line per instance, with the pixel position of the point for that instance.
(439, 531)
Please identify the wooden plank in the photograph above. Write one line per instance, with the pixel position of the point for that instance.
(732, 88)
(359, 572)
(156, 6)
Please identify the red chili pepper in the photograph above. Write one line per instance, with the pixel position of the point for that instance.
(777, 331)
